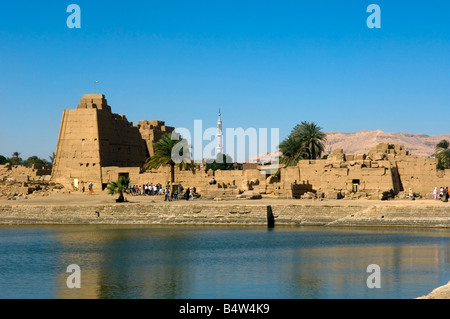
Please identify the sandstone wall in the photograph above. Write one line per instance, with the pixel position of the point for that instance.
(78, 149)
(120, 142)
(385, 167)
(241, 214)
(91, 138)
(96, 145)
(20, 173)
(328, 175)
(421, 175)
(152, 131)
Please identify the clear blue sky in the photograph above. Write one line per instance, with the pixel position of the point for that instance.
(264, 63)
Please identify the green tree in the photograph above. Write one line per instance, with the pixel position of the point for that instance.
(170, 150)
(442, 152)
(306, 141)
(3, 160)
(292, 150)
(121, 187)
(312, 138)
(15, 159)
(222, 162)
(34, 160)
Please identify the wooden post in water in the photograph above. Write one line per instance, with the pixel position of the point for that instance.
(270, 217)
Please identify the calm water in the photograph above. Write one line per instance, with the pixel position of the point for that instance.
(220, 262)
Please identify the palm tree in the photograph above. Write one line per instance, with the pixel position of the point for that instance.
(306, 141)
(121, 186)
(442, 152)
(15, 159)
(292, 151)
(312, 137)
(169, 150)
(52, 158)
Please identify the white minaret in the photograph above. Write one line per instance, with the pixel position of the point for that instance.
(219, 147)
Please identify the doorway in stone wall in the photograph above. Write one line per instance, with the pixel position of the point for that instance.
(126, 175)
(355, 185)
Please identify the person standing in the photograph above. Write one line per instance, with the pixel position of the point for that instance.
(91, 186)
(435, 193)
(167, 192)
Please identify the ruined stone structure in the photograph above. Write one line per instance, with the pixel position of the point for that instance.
(96, 145)
(386, 168)
(94, 141)
(22, 174)
(18, 181)
(152, 131)
(385, 171)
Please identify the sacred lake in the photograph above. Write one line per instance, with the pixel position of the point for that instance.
(216, 261)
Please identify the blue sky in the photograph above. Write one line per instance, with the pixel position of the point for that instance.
(264, 63)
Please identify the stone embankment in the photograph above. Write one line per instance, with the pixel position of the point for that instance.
(337, 213)
(442, 292)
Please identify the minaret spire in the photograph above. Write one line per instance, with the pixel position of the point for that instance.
(219, 147)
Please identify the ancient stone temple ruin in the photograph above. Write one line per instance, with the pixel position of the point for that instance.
(95, 143)
(385, 170)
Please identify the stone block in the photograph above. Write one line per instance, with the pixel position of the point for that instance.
(338, 157)
(22, 178)
(377, 156)
(333, 195)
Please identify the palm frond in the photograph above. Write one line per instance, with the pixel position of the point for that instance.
(120, 186)
(441, 146)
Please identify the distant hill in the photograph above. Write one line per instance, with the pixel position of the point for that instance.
(420, 145)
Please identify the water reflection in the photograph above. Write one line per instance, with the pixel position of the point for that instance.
(341, 271)
(124, 262)
(220, 262)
